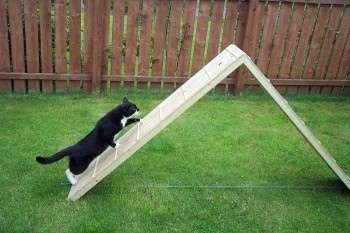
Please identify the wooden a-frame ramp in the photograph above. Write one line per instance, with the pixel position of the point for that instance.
(178, 102)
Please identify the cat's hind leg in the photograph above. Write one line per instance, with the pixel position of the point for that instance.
(71, 177)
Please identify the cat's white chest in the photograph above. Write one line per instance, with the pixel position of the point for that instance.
(123, 121)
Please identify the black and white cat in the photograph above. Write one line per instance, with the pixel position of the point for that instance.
(83, 152)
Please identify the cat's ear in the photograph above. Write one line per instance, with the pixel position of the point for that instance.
(125, 100)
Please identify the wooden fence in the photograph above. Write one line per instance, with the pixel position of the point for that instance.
(302, 46)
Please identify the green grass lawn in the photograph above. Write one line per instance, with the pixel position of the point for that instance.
(228, 164)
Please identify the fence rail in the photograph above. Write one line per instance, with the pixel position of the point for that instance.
(302, 46)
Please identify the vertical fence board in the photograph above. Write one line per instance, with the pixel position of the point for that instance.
(242, 20)
(31, 42)
(117, 41)
(17, 43)
(267, 37)
(5, 85)
(305, 34)
(215, 30)
(315, 46)
(97, 53)
(344, 67)
(240, 31)
(328, 46)
(228, 35)
(131, 41)
(201, 33)
(173, 41)
(160, 27)
(46, 44)
(278, 43)
(173, 37)
(340, 52)
(290, 45)
(60, 43)
(264, 49)
(252, 32)
(145, 42)
(251, 35)
(74, 42)
(105, 37)
(231, 16)
(105, 43)
(214, 43)
(88, 42)
(186, 39)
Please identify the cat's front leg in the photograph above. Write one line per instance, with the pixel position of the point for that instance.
(112, 144)
(133, 120)
(71, 177)
(117, 145)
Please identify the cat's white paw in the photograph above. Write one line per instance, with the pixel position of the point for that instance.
(71, 177)
(117, 145)
(73, 181)
(141, 121)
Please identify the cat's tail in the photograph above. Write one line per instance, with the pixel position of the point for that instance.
(55, 157)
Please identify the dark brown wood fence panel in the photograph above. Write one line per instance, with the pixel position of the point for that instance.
(340, 52)
(343, 72)
(186, 39)
(326, 52)
(201, 33)
(60, 43)
(277, 44)
(105, 66)
(230, 22)
(46, 44)
(88, 42)
(160, 28)
(215, 30)
(215, 38)
(266, 44)
(105, 37)
(75, 60)
(241, 18)
(117, 41)
(131, 41)
(5, 85)
(98, 41)
(251, 42)
(31, 42)
(291, 44)
(17, 43)
(146, 19)
(301, 51)
(315, 45)
(173, 42)
(301, 46)
(324, 2)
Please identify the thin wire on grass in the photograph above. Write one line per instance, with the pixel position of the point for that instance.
(220, 186)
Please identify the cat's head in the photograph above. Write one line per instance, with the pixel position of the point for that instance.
(129, 109)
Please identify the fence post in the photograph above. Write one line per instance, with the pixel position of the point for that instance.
(5, 85)
(97, 45)
(249, 41)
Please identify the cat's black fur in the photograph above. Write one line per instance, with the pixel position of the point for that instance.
(82, 153)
